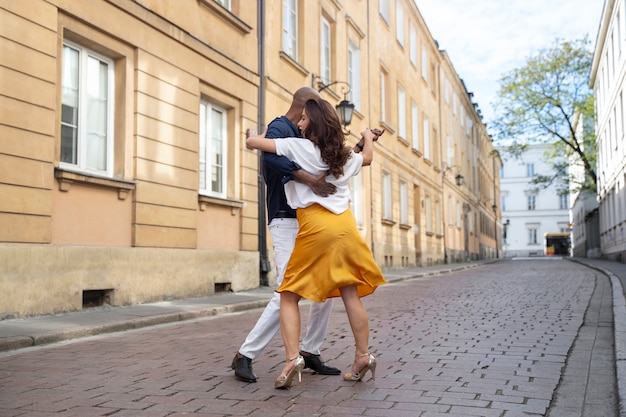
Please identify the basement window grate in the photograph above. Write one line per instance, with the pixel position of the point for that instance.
(97, 298)
(222, 287)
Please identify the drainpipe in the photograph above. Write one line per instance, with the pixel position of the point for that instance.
(265, 265)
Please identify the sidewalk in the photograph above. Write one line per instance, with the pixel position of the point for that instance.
(42, 330)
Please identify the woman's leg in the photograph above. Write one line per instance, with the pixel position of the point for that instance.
(357, 316)
(290, 327)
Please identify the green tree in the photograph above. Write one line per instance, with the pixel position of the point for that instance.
(544, 101)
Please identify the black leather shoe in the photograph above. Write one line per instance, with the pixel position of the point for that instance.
(316, 364)
(243, 368)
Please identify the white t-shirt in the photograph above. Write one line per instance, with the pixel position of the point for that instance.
(308, 156)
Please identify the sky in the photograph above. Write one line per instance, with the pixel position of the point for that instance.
(486, 39)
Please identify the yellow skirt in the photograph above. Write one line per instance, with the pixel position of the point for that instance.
(329, 254)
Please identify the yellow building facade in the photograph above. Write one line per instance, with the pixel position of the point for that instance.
(123, 168)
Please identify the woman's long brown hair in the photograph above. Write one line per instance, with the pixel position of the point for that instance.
(325, 131)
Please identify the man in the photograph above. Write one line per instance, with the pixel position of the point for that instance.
(283, 228)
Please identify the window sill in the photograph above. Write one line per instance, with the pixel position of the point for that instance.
(205, 200)
(66, 178)
(293, 63)
(237, 23)
(405, 226)
(388, 222)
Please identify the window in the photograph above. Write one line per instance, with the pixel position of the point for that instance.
(399, 24)
(413, 45)
(530, 170)
(414, 126)
(212, 153)
(503, 202)
(438, 215)
(532, 236)
(290, 28)
(87, 110)
(356, 198)
(563, 201)
(428, 211)
(383, 9)
(426, 134)
(386, 195)
(404, 203)
(424, 64)
(383, 94)
(401, 113)
(325, 51)
(454, 99)
(354, 74)
(450, 151)
(224, 3)
(532, 201)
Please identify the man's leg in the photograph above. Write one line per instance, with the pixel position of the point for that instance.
(316, 328)
(283, 233)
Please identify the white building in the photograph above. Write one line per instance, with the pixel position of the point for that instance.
(528, 212)
(607, 80)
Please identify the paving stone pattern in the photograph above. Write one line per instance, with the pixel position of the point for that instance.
(491, 341)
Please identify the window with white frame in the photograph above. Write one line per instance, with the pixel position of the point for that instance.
(415, 126)
(426, 136)
(87, 101)
(212, 153)
(503, 202)
(404, 203)
(530, 170)
(413, 45)
(532, 235)
(290, 28)
(356, 198)
(325, 51)
(224, 3)
(383, 94)
(428, 211)
(454, 103)
(424, 64)
(354, 74)
(401, 113)
(564, 201)
(386, 195)
(438, 215)
(383, 9)
(399, 23)
(531, 201)
(450, 151)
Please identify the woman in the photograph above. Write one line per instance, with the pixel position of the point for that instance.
(330, 258)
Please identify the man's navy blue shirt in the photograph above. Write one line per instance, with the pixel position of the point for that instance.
(277, 170)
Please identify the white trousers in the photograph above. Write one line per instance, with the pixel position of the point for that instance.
(284, 232)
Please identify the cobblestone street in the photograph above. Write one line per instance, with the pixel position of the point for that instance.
(492, 341)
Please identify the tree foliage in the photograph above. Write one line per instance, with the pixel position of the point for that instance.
(542, 102)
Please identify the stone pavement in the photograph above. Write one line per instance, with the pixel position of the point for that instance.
(507, 339)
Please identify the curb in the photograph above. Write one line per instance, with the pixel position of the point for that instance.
(619, 329)
(20, 342)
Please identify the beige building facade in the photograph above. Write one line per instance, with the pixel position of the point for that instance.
(123, 168)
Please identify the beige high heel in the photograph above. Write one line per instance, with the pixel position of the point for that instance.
(358, 376)
(285, 381)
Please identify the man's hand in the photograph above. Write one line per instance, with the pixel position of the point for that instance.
(377, 133)
(317, 183)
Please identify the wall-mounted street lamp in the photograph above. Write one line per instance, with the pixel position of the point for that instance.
(458, 179)
(345, 109)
